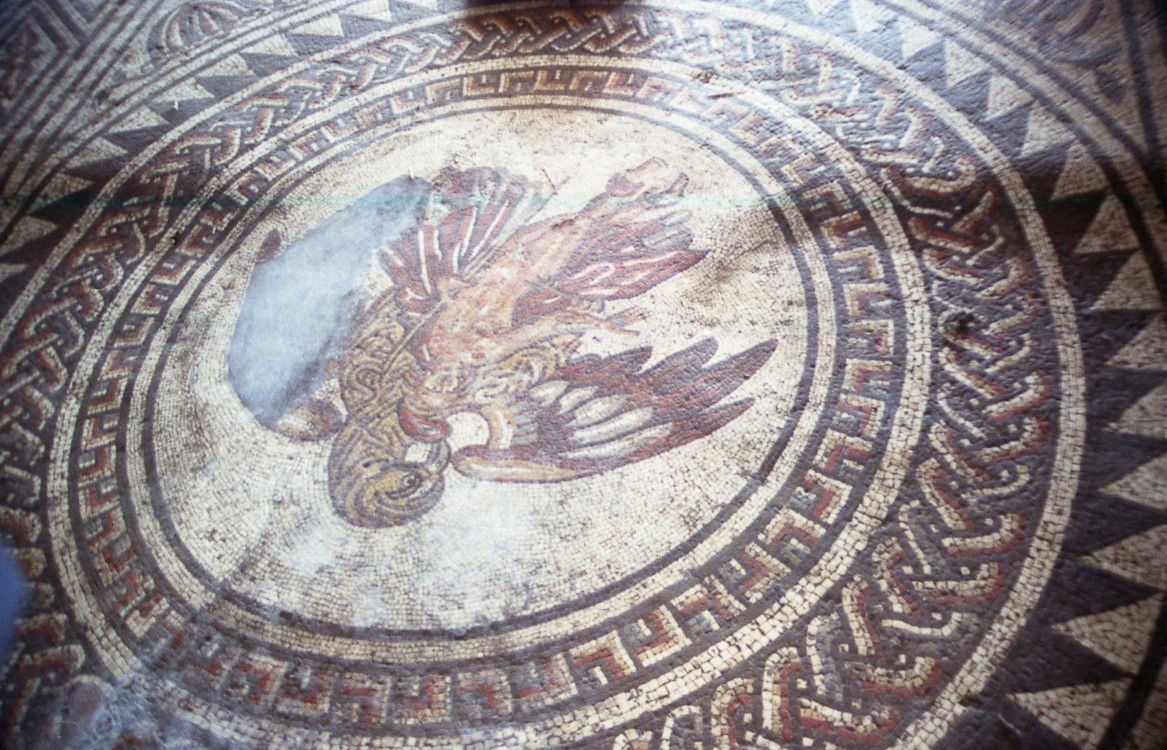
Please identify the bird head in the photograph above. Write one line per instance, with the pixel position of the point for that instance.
(378, 491)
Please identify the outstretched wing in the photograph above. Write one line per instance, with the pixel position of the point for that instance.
(627, 240)
(467, 214)
(598, 413)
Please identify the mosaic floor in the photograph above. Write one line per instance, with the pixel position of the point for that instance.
(639, 376)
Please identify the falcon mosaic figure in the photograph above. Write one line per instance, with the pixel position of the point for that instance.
(485, 313)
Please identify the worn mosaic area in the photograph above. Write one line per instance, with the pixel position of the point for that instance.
(633, 376)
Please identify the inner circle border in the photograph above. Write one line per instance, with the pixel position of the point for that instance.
(609, 602)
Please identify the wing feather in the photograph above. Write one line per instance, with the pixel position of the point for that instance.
(598, 413)
(628, 239)
(467, 214)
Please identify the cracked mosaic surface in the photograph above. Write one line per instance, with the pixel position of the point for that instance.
(613, 375)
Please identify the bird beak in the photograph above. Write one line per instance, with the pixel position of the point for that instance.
(438, 458)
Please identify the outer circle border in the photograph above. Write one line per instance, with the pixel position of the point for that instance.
(1071, 364)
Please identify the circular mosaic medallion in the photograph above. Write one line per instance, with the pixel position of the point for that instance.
(524, 377)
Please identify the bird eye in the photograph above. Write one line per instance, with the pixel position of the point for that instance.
(410, 481)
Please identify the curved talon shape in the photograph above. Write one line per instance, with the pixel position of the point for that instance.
(424, 429)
